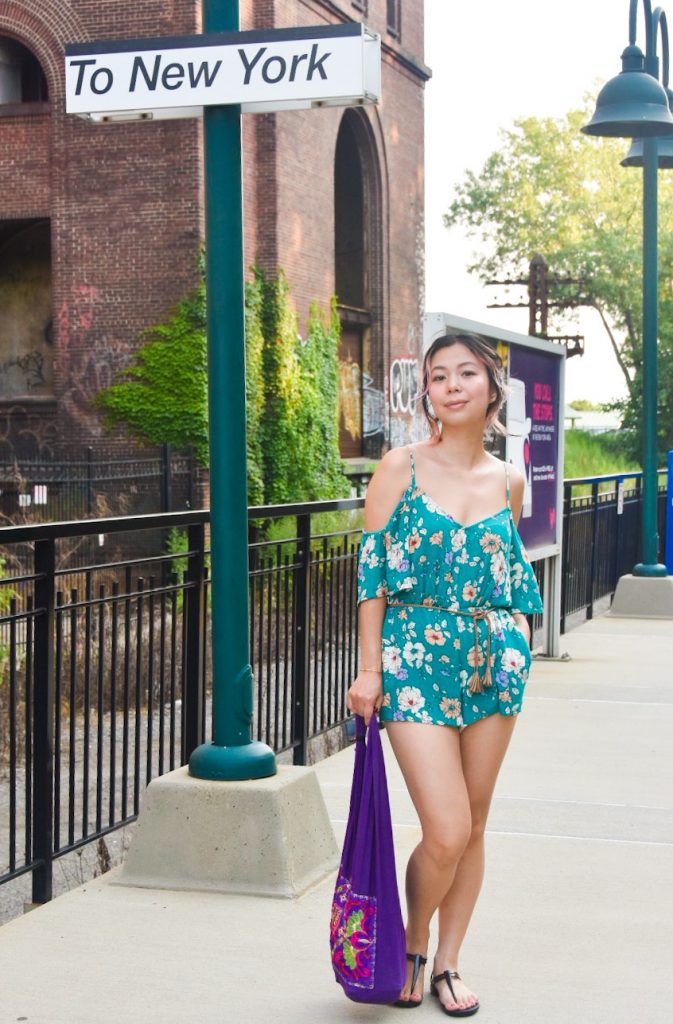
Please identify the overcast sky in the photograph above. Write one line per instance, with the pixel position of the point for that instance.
(494, 61)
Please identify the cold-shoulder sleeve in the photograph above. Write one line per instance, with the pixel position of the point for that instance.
(384, 566)
(372, 566)
(526, 596)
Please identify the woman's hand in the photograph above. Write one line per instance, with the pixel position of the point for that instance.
(521, 623)
(366, 694)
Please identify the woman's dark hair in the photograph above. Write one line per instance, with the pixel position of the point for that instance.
(486, 354)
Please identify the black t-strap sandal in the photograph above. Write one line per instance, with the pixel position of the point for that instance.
(418, 961)
(465, 1011)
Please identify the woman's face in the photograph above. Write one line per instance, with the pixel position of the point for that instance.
(458, 386)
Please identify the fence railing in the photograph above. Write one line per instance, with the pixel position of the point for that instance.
(105, 671)
(602, 536)
(94, 486)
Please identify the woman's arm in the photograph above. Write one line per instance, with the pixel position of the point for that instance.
(383, 494)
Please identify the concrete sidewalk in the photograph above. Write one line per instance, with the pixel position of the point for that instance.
(575, 921)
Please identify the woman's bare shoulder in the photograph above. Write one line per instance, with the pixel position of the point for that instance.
(386, 487)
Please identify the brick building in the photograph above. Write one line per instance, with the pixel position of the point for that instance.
(100, 225)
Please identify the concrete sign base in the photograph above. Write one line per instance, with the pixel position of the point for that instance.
(643, 597)
(265, 837)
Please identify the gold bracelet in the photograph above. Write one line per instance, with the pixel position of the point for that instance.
(372, 671)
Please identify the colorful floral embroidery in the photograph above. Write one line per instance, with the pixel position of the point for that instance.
(353, 935)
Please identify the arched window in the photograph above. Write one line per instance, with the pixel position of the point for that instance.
(22, 79)
(358, 261)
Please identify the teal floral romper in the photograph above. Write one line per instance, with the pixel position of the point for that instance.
(451, 650)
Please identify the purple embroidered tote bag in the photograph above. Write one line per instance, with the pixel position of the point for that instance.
(367, 933)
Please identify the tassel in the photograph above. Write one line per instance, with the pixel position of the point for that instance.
(475, 684)
(478, 684)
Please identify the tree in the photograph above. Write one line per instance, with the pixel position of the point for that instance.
(550, 189)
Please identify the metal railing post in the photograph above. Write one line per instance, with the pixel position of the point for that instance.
(565, 571)
(668, 519)
(594, 546)
(89, 481)
(166, 481)
(195, 610)
(43, 721)
(300, 702)
(619, 512)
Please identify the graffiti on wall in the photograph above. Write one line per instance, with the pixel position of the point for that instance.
(374, 408)
(77, 312)
(94, 359)
(403, 384)
(24, 374)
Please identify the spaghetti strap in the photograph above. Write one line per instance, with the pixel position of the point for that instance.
(509, 504)
(413, 467)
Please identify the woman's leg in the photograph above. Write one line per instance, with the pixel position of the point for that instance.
(430, 759)
(483, 746)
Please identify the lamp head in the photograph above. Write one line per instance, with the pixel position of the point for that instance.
(631, 105)
(634, 157)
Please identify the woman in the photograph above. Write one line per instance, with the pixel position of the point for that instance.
(444, 590)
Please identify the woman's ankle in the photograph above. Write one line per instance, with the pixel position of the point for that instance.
(417, 941)
(444, 960)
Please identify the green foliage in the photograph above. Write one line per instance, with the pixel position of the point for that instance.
(162, 397)
(6, 595)
(291, 392)
(550, 189)
(254, 390)
(177, 545)
(589, 454)
(300, 440)
(584, 405)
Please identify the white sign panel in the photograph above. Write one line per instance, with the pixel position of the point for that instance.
(335, 65)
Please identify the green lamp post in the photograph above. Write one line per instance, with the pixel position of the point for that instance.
(634, 105)
(232, 755)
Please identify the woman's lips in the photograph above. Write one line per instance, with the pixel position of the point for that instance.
(455, 405)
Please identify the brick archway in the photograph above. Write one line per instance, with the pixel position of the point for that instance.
(360, 255)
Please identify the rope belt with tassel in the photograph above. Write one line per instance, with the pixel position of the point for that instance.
(477, 684)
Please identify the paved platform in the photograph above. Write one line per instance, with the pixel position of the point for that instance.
(575, 921)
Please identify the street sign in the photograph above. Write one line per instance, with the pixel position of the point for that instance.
(262, 71)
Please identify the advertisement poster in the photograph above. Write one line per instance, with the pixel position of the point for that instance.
(533, 424)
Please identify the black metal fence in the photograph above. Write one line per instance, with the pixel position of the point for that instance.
(104, 667)
(602, 536)
(105, 674)
(95, 486)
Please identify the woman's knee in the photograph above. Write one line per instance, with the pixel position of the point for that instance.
(447, 845)
(479, 818)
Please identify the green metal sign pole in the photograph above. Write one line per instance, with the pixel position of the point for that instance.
(232, 755)
(650, 537)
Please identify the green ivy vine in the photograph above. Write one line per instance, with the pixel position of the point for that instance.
(291, 391)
